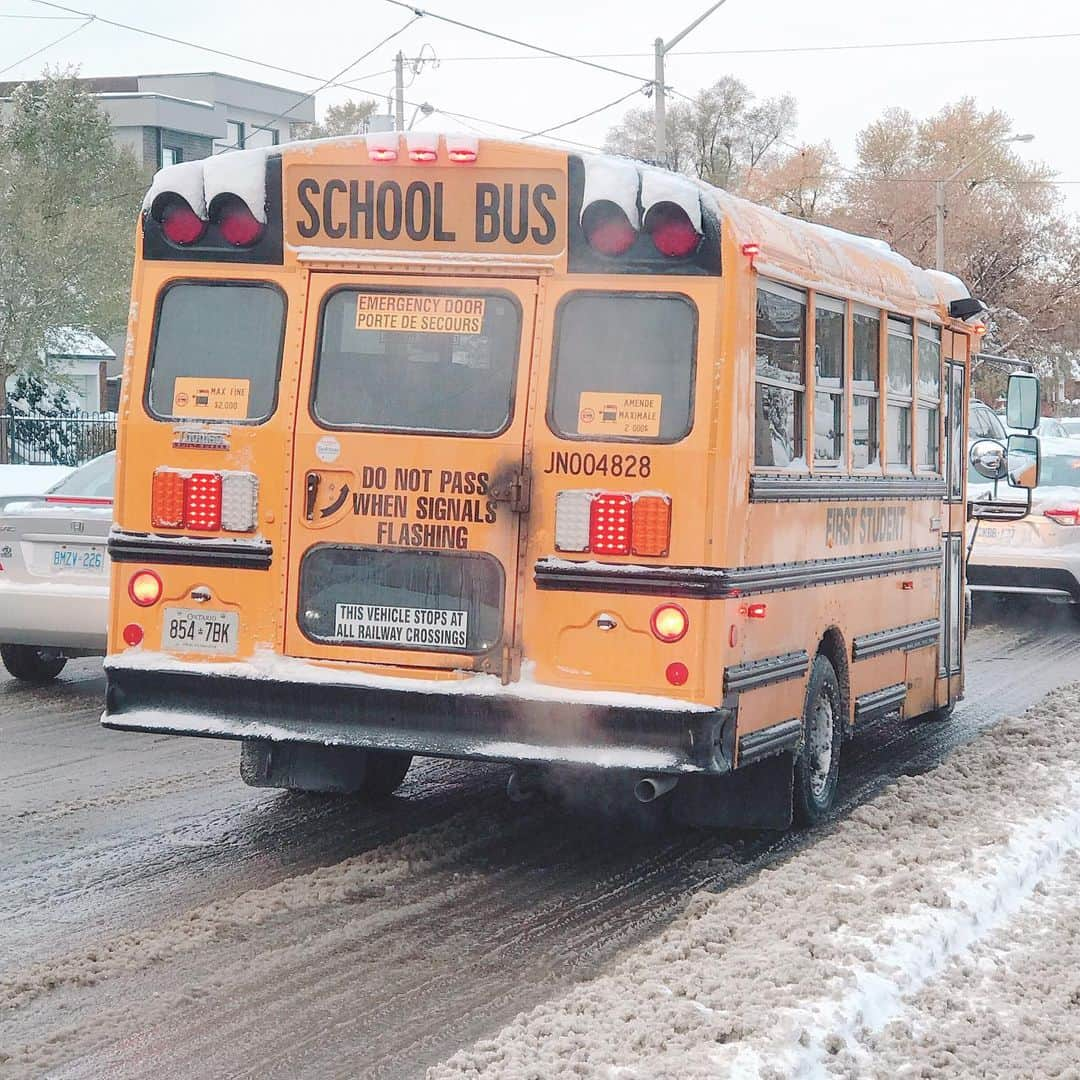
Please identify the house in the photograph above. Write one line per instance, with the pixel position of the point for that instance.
(166, 119)
(80, 360)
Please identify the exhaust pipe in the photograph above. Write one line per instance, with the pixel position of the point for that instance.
(650, 788)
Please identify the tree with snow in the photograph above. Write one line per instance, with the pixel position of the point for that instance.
(349, 118)
(68, 203)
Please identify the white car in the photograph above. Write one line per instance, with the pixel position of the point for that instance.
(1039, 555)
(54, 572)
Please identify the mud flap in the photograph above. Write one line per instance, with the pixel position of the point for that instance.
(758, 796)
(301, 767)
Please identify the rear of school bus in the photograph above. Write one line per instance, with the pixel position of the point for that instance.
(417, 442)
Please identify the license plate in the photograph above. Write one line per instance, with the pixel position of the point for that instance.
(997, 532)
(79, 559)
(188, 630)
(408, 627)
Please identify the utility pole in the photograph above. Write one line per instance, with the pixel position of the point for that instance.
(399, 91)
(939, 194)
(659, 103)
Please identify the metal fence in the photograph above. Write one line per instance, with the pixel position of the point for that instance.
(55, 440)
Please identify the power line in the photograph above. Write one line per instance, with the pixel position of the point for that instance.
(553, 53)
(857, 46)
(583, 116)
(37, 52)
(333, 78)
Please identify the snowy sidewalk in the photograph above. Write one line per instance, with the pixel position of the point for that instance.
(934, 932)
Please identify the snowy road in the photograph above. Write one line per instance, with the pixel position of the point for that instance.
(159, 919)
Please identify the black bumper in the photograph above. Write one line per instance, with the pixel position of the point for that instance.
(484, 727)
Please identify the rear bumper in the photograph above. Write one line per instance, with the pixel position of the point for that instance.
(485, 727)
(1041, 577)
(54, 616)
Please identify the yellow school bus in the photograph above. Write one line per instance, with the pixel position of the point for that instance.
(467, 448)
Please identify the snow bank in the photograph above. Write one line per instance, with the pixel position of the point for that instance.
(845, 959)
(30, 479)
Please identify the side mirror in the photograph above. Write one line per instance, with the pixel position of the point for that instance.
(1023, 461)
(1022, 405)
(988, 459)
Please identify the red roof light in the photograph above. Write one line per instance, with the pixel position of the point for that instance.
(181, 224)
(673, 234)
(607, 228)
(238, 225)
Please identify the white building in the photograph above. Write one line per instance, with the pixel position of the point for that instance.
(165, 119)
(81, 360)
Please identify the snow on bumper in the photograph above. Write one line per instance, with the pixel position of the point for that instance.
(475, 717)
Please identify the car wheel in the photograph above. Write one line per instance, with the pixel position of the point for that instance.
(817, 767)
(31, 663)
(344, 770)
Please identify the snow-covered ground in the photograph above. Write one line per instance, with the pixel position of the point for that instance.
(30, 479)
(934, 932)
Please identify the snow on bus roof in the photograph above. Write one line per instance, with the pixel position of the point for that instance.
(799, 252)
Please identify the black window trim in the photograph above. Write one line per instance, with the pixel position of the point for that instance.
(797, 294)
(639, 294)
(415, 290)
(481, 555)
(215, 282)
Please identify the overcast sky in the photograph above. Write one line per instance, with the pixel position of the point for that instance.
(838, 91)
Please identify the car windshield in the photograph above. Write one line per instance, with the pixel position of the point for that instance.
(94, 480)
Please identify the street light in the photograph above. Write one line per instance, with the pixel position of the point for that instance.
(939, 193)
(659, 104)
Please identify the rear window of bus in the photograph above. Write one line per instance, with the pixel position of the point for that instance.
(623, 354)
(455, 376)
(214, 335)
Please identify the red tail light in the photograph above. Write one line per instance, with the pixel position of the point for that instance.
(145, 588)
(613, 522)
(609, 524)
(672, 232)
(181, 224)
(1066, 515)
(607, 228)
(237, 224)
(669, 623)
(204, 501)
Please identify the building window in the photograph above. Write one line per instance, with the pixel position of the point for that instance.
(171, 155)
(927, 416)
(829, 411)
(262, 136)
(780, 377)
(234, 137)
(865, 387)
(898, 422)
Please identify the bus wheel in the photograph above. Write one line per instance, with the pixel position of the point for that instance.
(31, 664)
(818, 763)
(342, 770)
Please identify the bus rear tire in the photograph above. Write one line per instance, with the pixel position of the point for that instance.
(341, 770)
(817, 767)
(31, 664)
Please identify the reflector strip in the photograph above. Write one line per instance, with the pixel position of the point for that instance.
(572, 520)
(239, 501)
(652, 525)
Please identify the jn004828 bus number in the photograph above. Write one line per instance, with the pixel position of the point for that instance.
(574, 463)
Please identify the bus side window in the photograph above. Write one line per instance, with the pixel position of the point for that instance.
(829, 407)
(928, 414)
(780, 377)
(898, 421)
(865, 388)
